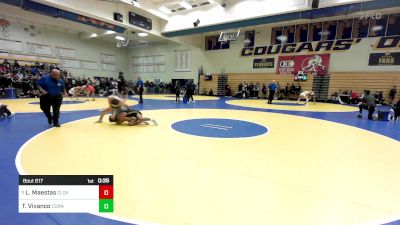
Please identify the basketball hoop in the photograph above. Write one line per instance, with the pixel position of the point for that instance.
(122, 43)
(225, 37)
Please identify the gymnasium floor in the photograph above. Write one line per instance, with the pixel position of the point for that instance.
(216, 162)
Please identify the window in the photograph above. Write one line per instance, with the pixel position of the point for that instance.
(289, 33)
(345, 28)
(149, 64)
(393, 25)
(360, 29)
(276, 36)
(301, 33)
(249, 38)
(182, 61)
(314, 32)
(329, 31)
(212, 43)
(378, 27)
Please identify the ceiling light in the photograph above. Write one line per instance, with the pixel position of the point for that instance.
(93, 35)
(143, 34)
(130, 2)
(377, 28)
(165, 10)
(185, 5)
(120, 38)
(109, 32)
(211, 1)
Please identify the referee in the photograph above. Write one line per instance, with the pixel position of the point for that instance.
(140, 86)
(52, 88)
(272, 89)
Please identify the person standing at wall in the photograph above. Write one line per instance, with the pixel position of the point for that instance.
(52, 88)
(121, 82)
(278, 89)
(272, 89)
(177, 91)
(392, 95)
(257, 90)
(140, 87)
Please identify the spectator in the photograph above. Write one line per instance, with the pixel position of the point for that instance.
(379, 97)
(396, 109)
(287, 91)
(228, 91)
(354, 98)
(392, 94)
(293, 89)
(16, 64)
(245, 89)
(298, 88)
(264, 91)
(240, 87)
(278, 89)
(140, 87)
(251, 90)
(368, 103)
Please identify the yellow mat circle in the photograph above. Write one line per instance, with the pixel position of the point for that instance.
(304, 171)
(27, 105)
(292, 105)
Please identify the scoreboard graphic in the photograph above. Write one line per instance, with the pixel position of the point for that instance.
(66, 194)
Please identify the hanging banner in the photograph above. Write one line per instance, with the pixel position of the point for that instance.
(384, 59)
(305, 64)
(263, 63)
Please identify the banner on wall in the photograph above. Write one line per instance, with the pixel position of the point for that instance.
(308, 64)
(384, 59)
(263, 63)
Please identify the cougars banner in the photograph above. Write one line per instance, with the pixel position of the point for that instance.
(308, 64)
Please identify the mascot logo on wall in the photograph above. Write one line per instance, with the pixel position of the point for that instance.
(4, 30)
(313, 64)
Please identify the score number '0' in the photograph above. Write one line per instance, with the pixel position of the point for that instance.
(372, 15)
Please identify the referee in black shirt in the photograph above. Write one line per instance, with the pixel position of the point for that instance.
(52, 88)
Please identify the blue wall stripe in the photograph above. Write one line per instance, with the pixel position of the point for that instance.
(308, 14)
(55, 12)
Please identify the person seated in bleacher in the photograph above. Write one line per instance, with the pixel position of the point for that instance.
(354, 98)
(228, 91)
(379, 98)
(6, 64)
(16, 64)
(264, 91)
(298, 88)
(293, 89)
(287, 91)
(368, 103)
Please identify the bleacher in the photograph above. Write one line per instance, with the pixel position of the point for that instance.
(234, 79)
(376, 81)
